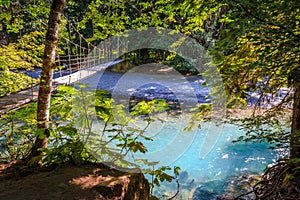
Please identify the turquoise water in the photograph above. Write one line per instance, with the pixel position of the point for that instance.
(225, 158)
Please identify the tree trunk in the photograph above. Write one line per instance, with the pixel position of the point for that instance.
(46, 76)
(295, 129)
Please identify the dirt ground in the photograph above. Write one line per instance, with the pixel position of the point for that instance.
(66, 182)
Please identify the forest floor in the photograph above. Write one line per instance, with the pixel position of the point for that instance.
(65, 182)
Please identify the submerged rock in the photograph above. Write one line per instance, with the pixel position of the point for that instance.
(241, 184)
(202, 193)
(183, 177)
(228, 189)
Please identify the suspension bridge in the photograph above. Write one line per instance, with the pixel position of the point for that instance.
(70, 68)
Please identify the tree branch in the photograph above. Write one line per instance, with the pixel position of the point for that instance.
(264, 21)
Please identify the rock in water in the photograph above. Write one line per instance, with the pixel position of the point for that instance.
(183, 177)
(202, 193)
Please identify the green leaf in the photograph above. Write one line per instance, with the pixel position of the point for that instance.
(68, 130)
(137, 146)
(40, 133)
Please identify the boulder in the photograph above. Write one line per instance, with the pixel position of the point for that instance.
(121, 183)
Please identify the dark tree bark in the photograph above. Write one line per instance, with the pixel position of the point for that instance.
(4, 37)
(295, 128)
(47, 75)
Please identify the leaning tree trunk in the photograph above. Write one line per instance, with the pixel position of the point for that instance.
(295, 129)
(46, 76)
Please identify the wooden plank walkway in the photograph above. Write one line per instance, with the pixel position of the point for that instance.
(15, 100)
